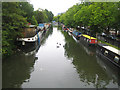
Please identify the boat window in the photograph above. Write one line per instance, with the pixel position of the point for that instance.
(90, 40)
(87, 40)
(84, 38)
(106, 52)
(116, 59)
(96, 41)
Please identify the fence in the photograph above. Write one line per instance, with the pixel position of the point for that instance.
(111, 41)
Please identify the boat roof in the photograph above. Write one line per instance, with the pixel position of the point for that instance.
(87, 36)
(112, 49)
(32, 26)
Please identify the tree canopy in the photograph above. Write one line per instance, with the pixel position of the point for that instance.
(43, 16)
(99, 16)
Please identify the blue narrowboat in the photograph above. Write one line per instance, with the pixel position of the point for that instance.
(76, 34)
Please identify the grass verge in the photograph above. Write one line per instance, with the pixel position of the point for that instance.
(109, 44)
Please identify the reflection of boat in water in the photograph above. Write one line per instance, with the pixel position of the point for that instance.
(89, 50)
(108, 59)
(30, 53)
(89, 70)
(18, 68)
(109, 53)
(33, 49)
(111, 70)
(108, 67)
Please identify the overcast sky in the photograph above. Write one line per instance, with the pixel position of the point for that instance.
(56, 6)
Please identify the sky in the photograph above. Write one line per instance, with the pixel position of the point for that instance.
(56, 6)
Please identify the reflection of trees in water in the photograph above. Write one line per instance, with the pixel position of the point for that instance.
(59, 27)
(45, 36)
(16, 70)
(87, 67)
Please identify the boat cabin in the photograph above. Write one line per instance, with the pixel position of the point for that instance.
(89, 39)
(110, 53)
(30, 31)
(76, 34)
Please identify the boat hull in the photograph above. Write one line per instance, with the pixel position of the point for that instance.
(108, 55)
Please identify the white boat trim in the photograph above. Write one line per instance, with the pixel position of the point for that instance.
(31, 39)
(112, 49)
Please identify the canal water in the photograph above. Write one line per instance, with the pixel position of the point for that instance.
(59, 62)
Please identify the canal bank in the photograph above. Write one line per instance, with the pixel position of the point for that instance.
(60, 62)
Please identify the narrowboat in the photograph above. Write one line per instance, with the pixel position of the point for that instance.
(76, 34)
(64, 28)
(40, 26)
(109, 53)
(89, 50)
(30, 36)
(88, 39)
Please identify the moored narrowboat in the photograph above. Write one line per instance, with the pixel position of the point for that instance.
(76, 34)
(30, 35)
(88, 39)
(109, 53)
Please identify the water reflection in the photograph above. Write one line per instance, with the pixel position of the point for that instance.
(45, 36)
(18, 68)
(17, 71)
(88, 65)
(60, 62)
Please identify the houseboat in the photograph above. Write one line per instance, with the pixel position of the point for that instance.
(30, 35)
(109, 53)
(89, 50)
(76, 34)
(88, 39)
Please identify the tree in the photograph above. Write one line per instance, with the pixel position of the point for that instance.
(68, 17)
(99, 16)
(43, 16)
(28, 10)
(49, 15)
(34, 21)
(12, 24)
(39, 16)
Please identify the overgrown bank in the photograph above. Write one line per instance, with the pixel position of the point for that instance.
(15, 17)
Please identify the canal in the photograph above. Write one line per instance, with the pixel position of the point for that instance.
(59, 62)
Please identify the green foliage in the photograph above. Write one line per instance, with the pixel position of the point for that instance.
(98, 15)
(49, 15)
(43, 16)
(15, 17)
(12, 24)
(28, 10)
(108, 44)
(34, 21)
(68, 17)
(55, 18)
